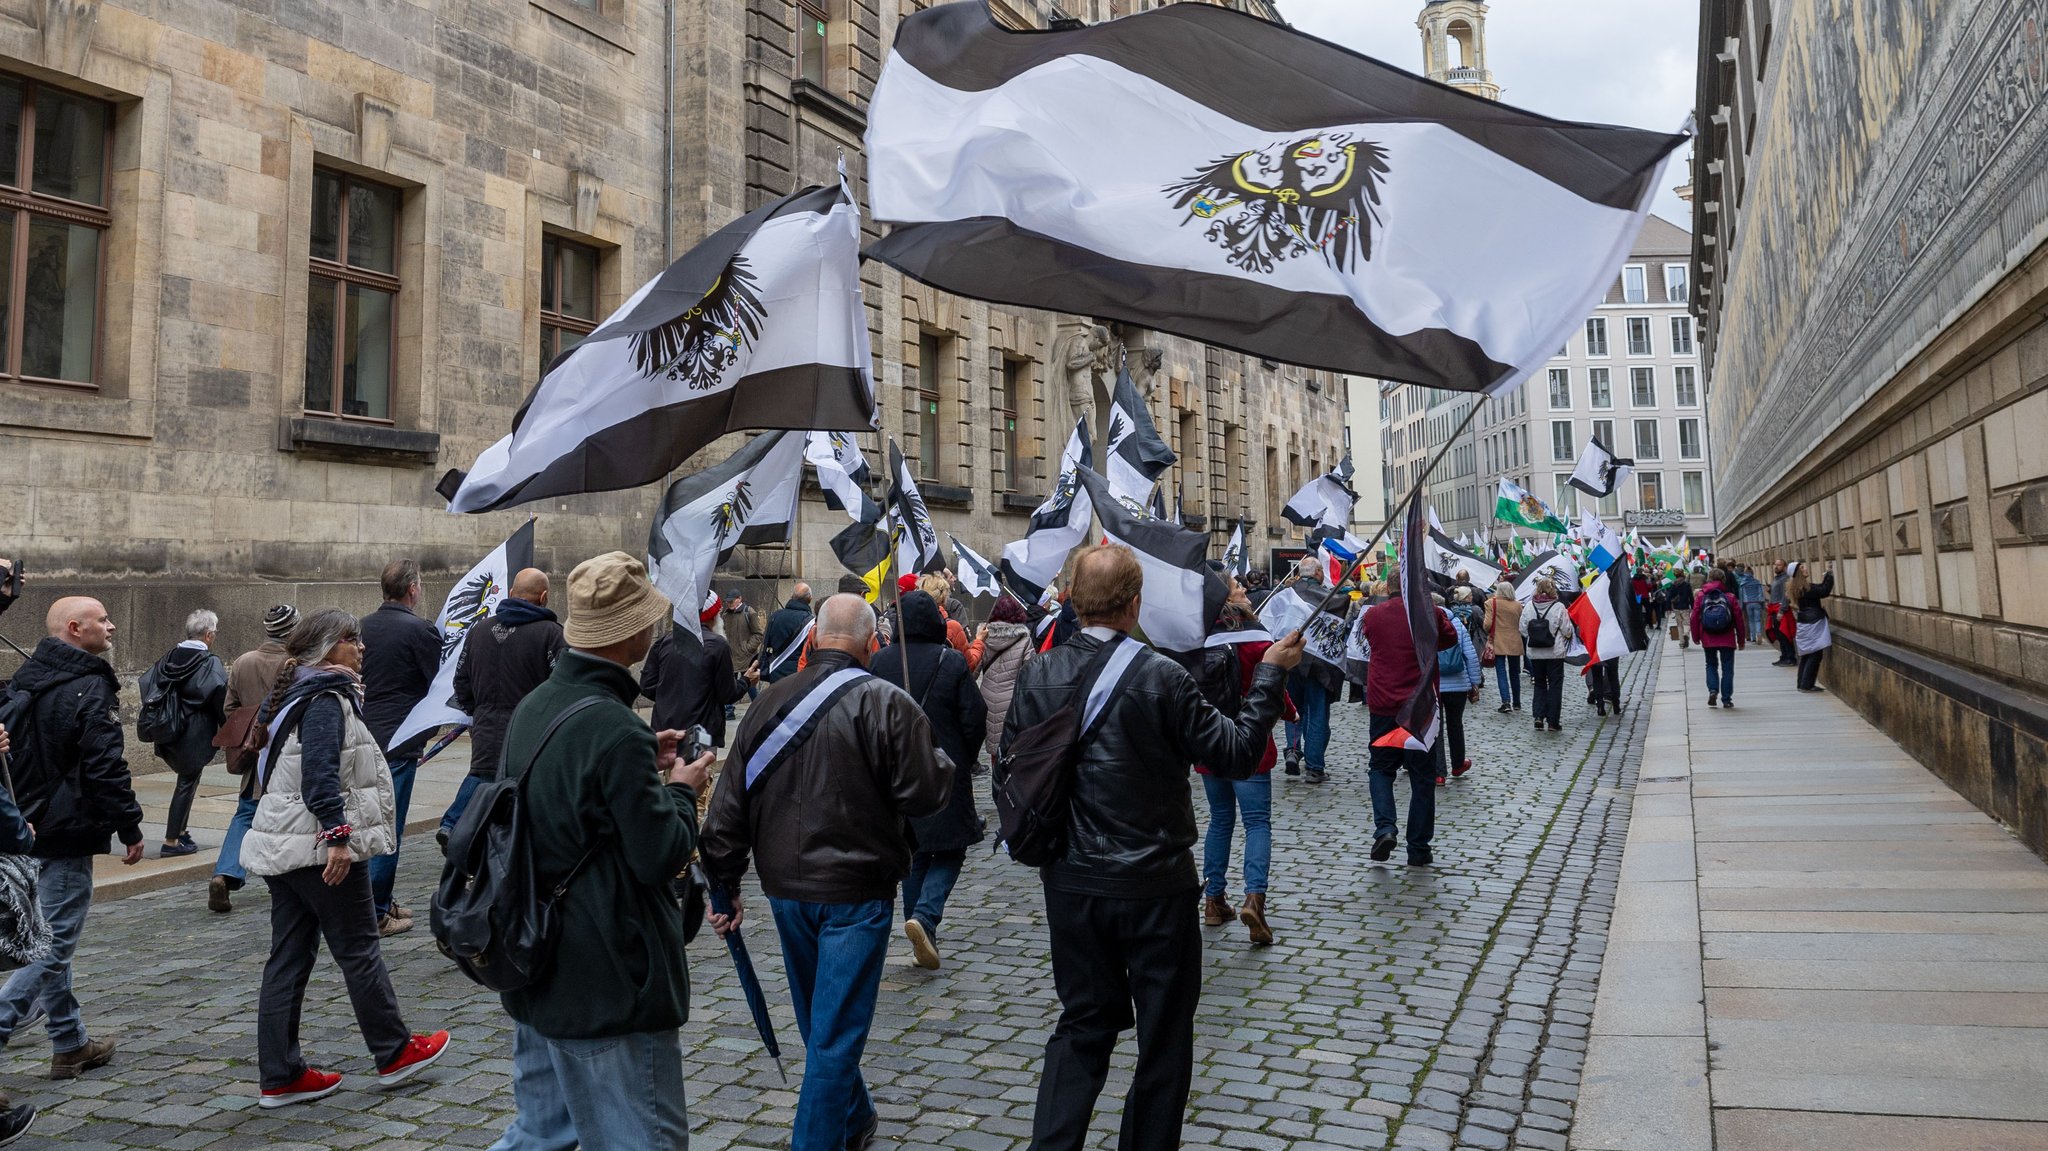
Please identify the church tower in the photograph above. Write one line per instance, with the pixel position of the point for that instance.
(1454, 46)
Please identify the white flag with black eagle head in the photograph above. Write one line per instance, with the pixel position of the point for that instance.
(1137, 453)
(1181, 595)
(1235, 558)
(470, 602)
(977, 575)
(917, 540)
(1058, 526)
(1447, 557)
(759, 326)
(1197, 170)
(843, 474)
(747, 499)
(1599, 471)
(1323, 502)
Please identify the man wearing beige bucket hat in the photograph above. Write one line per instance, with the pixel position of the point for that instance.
(596, 1056)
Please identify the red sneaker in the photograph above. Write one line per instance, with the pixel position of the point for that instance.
(417, 1056)
(1439, 781)
(311, 1084)
(1464, 765)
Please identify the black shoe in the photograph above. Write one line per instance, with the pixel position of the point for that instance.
(1382, 849)
(1293, 762)
(1420, 857)
(1727, 703)
(859, 1140)
(1504, 709)
(1713, 699)
(1554, 726)
(1518, 705)
(1539, 725)
(15, 1122)
(1600, 706)
(441, 839)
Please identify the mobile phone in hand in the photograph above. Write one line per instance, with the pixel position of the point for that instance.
(696, 741)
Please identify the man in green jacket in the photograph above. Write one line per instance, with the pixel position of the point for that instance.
(596, 1056)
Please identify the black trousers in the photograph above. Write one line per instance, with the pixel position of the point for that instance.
(1109, 957)
(1546, 678)
(302, 910)
(1603, 680)
(1809, 668)
(179, 819)
(1453, 703)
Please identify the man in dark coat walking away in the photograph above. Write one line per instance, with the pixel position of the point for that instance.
(1121, 907)
(192, 685)
(401, 656)
(943, 688)
(72, 784)
(788, 630)
(691, 680)
(499, 666)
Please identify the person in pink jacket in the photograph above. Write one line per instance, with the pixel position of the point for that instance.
(1718, 628)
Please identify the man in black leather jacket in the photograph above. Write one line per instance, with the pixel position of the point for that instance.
(1121, 906)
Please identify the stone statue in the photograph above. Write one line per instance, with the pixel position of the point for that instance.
(1081, 355)
(1144, 365)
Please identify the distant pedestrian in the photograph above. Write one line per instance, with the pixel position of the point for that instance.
(1783, 611)
(1310, 686)
(1682, 597)
(1002, 645)
(596, 1046)
(1547, 639)
(249, 682)
(1226, 677)
(822, 816)
(72, 785)
(502, 661)
(187, 689)
(1458, 680)
(1503, 629)
(1717, 626)
(690, 679)
(787, 632)
(944, 689)
(1751, 590)
(402, 655)
(1815, 635)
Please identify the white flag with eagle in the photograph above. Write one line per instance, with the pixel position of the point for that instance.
(470, 602)
(749, 498)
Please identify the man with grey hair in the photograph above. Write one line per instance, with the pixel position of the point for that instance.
(183, 705)
(826, 768)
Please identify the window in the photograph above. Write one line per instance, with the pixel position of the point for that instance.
(1560, 389)
(568, 295)
(1693, 490)
(1634, 286)
(1639, 336)
(53, 222)
(1561, 440)
(1642, 387)
(1016, 378)
(1564, 499)
(1603, 430)
(1596, 336)
(1689, 440)
(352, 301)
(1674, 284)
(930, 350)
(810, 41)
(1646, 442)
(1596, 384)
(1685, 386)
(1649, 490)
(1681, 335)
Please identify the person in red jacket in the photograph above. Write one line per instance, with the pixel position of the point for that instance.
(1235, 800)
(1391, 677)
(1719, 629)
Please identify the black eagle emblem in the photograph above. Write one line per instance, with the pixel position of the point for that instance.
(729, 518)
(698, 346)
(468, 605)
(1288, 199)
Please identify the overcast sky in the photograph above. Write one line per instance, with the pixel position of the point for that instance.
(1611, 61)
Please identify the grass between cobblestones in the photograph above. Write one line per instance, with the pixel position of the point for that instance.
(1408, 1008)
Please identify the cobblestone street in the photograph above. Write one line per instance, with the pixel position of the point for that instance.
(1401, 1008)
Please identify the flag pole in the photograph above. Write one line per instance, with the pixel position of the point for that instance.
(1350, 573)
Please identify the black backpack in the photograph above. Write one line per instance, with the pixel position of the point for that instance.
(1220, 678)
(488, 915)
(1540, 634)
(164, 712)
(1716, 617)
(1033, 775)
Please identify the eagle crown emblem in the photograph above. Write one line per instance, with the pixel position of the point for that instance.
(1316, 194)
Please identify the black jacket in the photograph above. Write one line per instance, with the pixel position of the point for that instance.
(501, 664)
(202, 683)
(1810, 609)
(952, 701)
(783, 629)
(70, 775)
(1133, 821)
(691, 682)
(401, 656)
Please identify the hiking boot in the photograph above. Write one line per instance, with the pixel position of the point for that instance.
(1382, 848)
(217, 895)
(418, 1055)
(391, 925)
(311, 1084)
(1215, 911)
(1253, 916)
(922, 951)
(14, 1123)
(75, 1062)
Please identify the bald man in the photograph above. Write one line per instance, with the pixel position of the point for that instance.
(501, 663)
(71, 780)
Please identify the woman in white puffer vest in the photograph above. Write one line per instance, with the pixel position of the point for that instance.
(325, 808)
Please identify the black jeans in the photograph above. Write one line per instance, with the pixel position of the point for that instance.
(1454, 729)
(1109, 955)
(1603, 679)
(1386, 763)
(302, 909)
(1786, 652)
(180, 818)
(1809, 667)
(1546, 681)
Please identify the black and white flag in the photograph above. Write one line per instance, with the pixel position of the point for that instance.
(1269, 192)
(1060, 524)
(1551, 565)
(470, 602)
(977, 575)
(748, 498)
(917, 540)
(1447, 557)
(1323, 502)
(1599, 470)
(1137, 454)
(1180, 599)
(1235, 559)
(843, 473)
(759, 326)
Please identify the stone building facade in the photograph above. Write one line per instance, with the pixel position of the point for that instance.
(1871, 204)
(280, 263)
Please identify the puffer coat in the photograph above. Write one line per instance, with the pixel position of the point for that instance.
(1004, 650)
(340, 778)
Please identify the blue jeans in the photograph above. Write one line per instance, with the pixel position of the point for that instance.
(1386, 763)
(620, 1091)
(1311, 734)
(833, 953)
(1753, 619)
(929, 885)
(1721, 671)
(1507, 669)
(1228, 798)
(229, 863)
(65, 893)
(453, 815)
(384, 868)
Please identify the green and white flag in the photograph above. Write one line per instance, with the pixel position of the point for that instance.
(1517, 505)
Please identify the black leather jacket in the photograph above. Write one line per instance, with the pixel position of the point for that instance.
(1133, 818)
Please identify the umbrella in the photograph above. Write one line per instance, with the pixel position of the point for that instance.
(441, 744)
(743, 966)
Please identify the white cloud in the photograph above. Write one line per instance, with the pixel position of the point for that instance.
(1611, 61)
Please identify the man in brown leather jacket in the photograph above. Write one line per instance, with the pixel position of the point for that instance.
(825, 771)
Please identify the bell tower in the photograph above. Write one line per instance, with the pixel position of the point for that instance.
(1454, 46)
